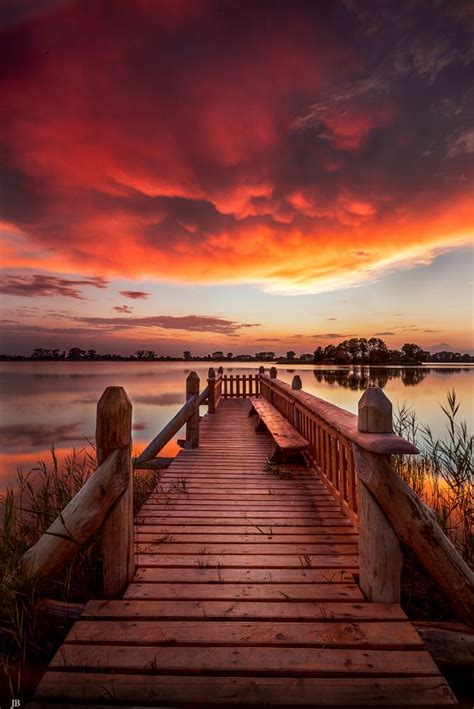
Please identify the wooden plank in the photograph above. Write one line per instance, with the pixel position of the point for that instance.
(331, 560)
(235, 660)
(261, 576)
(381, 635)
(262, 610)
(231, 540)
(242, 592)
(278, 691)
(341, 526)
(267, 549)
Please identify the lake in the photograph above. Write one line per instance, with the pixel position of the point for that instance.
(44, 403)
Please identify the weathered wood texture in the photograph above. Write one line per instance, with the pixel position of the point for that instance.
(114, 431)
(379, 548)
(416, 526)
(375, 412)
(283, 433)
(192, 424)
(380, 555)
(244, 595)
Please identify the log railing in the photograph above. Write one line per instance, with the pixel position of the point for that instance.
(352, 456)
(104, 502)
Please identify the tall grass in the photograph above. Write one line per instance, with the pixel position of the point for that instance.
(26, 512)
(442, 475)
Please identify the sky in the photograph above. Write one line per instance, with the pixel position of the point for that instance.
(236, 175)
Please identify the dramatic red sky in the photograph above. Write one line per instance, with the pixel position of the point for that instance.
(233, 174)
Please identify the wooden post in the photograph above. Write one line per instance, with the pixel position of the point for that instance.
(261, 369)
(380, 562)
(114, 431)
(273, 372)
(220, 370)
(211, 382)
(417, 527)
(296, 383)
(379, 548)
(375, 412)
(192, 426)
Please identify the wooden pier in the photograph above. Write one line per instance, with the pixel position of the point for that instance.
(244, 583)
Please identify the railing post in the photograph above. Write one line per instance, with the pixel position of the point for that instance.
(114, 431)
(211, 382)
(261, 369)
(273, 372)
(192, 426)
(296, 383)
(379, 547)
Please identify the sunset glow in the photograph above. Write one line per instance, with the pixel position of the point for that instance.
(192, 174)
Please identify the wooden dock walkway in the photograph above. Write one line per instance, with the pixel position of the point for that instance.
(245, 593)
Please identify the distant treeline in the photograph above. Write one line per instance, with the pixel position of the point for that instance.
(357, 350)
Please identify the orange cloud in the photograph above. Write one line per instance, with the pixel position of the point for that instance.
(225, 147)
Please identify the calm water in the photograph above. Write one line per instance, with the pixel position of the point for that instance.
(54, 403)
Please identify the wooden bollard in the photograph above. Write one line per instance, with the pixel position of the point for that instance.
(192, 426)
(273, 372)
(380, 554)
(261, 370)
(114, 431)
(211, 383)
(220, 370)
(375, 412)
(296, 383)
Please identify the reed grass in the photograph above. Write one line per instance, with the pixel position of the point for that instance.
(442, 474)
(26, 511)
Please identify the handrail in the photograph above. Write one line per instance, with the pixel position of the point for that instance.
(167, 433)
(105, 501)
(342, 421)
(352, 455)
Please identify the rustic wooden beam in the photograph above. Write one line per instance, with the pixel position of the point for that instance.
(114, 431)
(59, 609)
(167, 433)
(416, 526)
(451, 645)
(380, 556)
(204, 396)
(155, 464)
(379, 548)
(192, 425)
(375, 412)
(211, 383)
(79, 520)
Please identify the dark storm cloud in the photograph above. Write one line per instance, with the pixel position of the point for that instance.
(190, 323)
(135, 294)
(47, 286)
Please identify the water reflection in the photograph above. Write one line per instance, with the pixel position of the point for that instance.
(43, 403)
(359, 378)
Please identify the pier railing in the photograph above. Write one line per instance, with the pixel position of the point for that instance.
(352, 456)
(350, 453)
